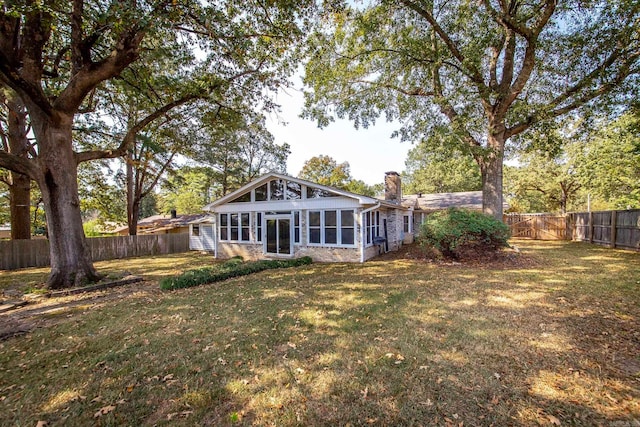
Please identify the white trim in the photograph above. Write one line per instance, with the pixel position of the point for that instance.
(364, 200)
(277, 217)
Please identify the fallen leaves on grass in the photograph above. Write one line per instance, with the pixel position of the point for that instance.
(104, 411)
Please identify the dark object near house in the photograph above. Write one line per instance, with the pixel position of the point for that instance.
(381, 243)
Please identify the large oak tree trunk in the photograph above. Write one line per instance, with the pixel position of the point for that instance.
(20, 203)
(491, 170)
(71, 263)
(20, 185)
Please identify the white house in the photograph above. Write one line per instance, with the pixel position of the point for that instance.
(281, 216)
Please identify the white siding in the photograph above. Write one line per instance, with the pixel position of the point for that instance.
(205, 241)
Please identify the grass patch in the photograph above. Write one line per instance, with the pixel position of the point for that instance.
(235, 267)
(381, 343)
(153, 268)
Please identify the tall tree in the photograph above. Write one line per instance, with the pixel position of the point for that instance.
(14, 129)
(610, 166)
(186, 190)
(543, 182)
(433, 168)
(56, 55)
(326, 170)
(149, 106)
(100, 190)
(486, 70)
(558, 171)
(237, 146)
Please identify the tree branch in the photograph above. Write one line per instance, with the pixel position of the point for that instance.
(553, 111)
(18, 164)
(129, 138)
(164, 167)
(473, 72)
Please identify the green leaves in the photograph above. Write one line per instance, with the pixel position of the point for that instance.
(454, 231)
(235, 267)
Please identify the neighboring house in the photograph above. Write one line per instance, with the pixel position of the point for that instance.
(5, 231)
(163, 224)
(281, 216)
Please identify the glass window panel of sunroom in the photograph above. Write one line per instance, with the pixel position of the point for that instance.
(314, 219)
(346, 218)
(347, 236)
(246, 197)
(330, 219)
(277, 189)
(330, 236)
(314, 235)
(294, 190)
(261, 193)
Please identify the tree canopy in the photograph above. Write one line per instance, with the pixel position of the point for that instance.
(439, 169)
(599, 169)
(480, 72)
(326, 170)
(56, 56)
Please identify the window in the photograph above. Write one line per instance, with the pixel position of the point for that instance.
(347, 227)
(296, 227)
(294, 190)
(246, 197)
(195, 230)
(244, 227)
(314, 193)
(332, 227)
(277, 189)
(261, 193)
(406, 223)
(314, 227)
(371, 220)
(259, 226)
(224, 227)
(234, 227)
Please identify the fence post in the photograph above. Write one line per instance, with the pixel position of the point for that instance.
(613, 228)
(590, 227)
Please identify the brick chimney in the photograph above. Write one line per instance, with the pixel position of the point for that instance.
(392, 187)
(174, 214)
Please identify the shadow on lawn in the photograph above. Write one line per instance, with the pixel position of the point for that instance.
(384, 343)
(367, 350)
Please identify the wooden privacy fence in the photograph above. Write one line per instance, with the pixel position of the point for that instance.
(537, 226)
(616, 229)
(16, 254)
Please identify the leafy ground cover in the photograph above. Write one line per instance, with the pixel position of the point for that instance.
(547, 336)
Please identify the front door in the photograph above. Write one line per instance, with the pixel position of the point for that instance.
(278, 235)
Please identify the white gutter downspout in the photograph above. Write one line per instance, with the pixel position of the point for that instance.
(364, 230)
(215, 232)
(215, 235)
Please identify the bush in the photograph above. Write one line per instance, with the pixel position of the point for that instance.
(455, 231)
(234, 267)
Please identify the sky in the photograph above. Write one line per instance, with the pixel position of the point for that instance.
(370, 152)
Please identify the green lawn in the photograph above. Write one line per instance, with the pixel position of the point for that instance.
(552, 339)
